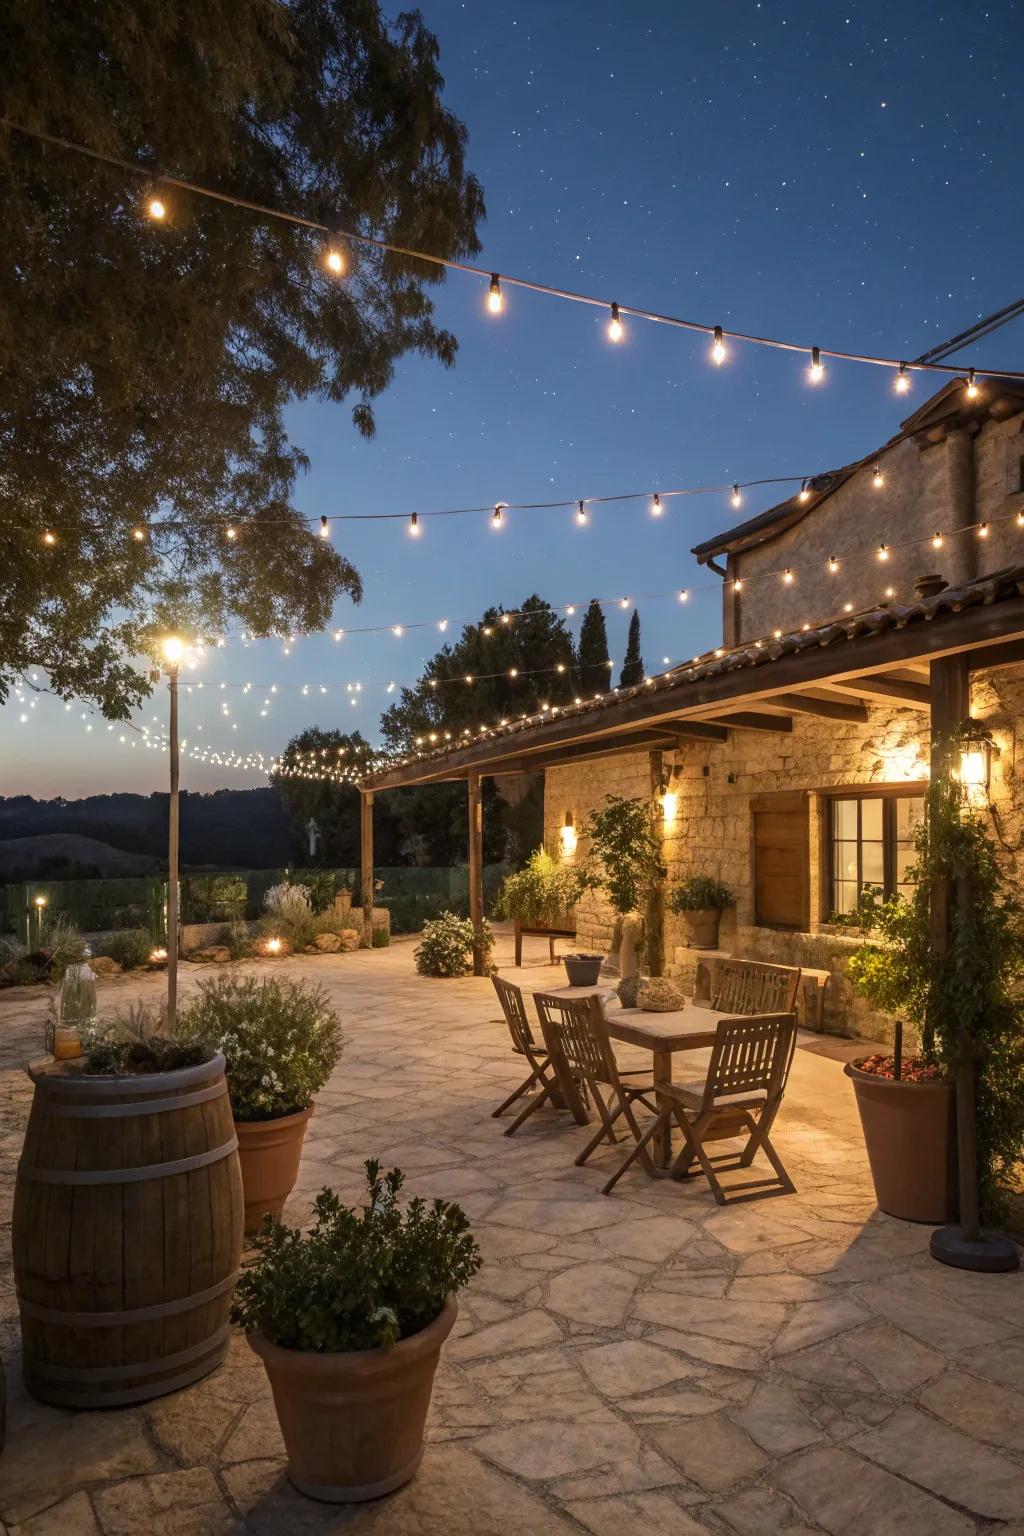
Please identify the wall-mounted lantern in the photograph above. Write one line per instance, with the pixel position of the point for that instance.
(567, 836)
(974, 769)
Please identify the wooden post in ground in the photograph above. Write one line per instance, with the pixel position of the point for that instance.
(476, 869)
(654, 917)
(366, 862)
(172, 857)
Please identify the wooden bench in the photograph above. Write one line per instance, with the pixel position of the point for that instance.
(745, 986)
(551, 934)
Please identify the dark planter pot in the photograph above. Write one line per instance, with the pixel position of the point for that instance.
(702, 927)
(353, 1423)
(910, 1134)
(583, 970)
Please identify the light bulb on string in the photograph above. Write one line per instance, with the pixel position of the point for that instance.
(324, 530)
(937, 541)
(983, 530)
(684, 596)
(581, 513)
(833, 564)
(901, 383)
(335, 261)
(804, 493)
(718, 352)
(656, 507)
(495, 297)
(615, 327)
(736, 498)
(883, 552)
(139, 535)
(737, 585)
(414, 526)
(49, 538)
(877, 478)
(623, 602)
(1020, 519)
(496, 519)
(156, 208)
(571, 609)
(816, 371)
(971, 386)
(230, 533)
(788, 577)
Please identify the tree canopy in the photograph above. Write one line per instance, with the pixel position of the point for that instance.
(145, 366)
(592, 659)
(333, 806)
(633, 663)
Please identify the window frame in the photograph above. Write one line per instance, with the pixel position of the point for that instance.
(888, 794)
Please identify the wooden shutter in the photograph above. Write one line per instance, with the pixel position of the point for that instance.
(781, 855)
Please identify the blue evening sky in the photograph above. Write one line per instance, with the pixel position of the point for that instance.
(846, 175)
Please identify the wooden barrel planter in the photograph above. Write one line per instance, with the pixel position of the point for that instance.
(127, 1233)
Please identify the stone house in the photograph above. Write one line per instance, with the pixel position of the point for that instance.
(790, 762)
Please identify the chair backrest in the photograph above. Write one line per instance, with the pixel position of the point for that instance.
(751, 1055)
(578, 1026)
(514, 1009)
(753, 986)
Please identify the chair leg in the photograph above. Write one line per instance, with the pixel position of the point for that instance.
(533, 1105)
(605, 1133)
(536, 1076)
(639, 1149)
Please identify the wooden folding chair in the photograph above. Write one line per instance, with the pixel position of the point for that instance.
(542, 1071)
(577, 1038)
(750, 1063)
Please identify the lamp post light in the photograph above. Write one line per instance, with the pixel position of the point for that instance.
(39, 902)
(173, 651)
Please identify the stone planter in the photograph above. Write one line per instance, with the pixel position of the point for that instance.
(910, 1134)
(702, 926)
(270, 1152)
(353, 1423)
(582, 970)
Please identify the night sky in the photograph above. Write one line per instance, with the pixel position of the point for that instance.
(846, 176)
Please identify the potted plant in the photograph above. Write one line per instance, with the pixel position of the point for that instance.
(127, 1230)
(543, 893)
(961, 993)
(349, 1320)
(700, 900)
(446, 946)
(281, 1040)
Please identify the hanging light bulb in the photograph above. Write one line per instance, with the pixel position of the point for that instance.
(983, 530)
(833, 564)
(396, 629)
(615, 329)
(883, 552)
(495, 297)
(335, 261)
(1020, 519)
(49, 538)
(804, 493)
(156, 209)
(139, 535)
(684, 595)
(816, 371)
(718, 352)
(878, 479)
(325, 531)
(656, 507)
(737, 585)
(787, 577)
(571, 609)
(623, 602)
(937, 541)
(230, 532)
(972, 387)
(736, 498)
(901, 383)
(581, 513)
(513, 671)
(414, 526)
(496, 519)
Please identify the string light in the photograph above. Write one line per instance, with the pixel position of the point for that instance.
(788, 577)
(230, 533)
(901, 383)
(581, 513)
(1020, 519)
(623, 602)
(615, 328)
(414, 526)
(335, 261)
(496, 519)
(156, 209)
(656, 507)
(983, 531)
(139, 535)
(718, 352)
(833, 564)
(325, 531)
(736, 498)
(972, 387)
(684, 596)
(816, 371)
(495, 297)
(396, 629)
(937, 541)
(804, 493)
(49, 539)
(737, 585)
(883, 552)
(877, 478)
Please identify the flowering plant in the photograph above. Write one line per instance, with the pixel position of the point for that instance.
(285, 900)
(446, 948)
(281, 1041)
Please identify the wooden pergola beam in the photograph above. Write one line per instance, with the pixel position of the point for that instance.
(754, 720)
(827, 709)
(897, 690)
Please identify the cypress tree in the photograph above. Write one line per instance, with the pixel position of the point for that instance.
(592, 668)
(633, 666)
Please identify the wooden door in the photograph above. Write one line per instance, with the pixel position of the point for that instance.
(781, 855)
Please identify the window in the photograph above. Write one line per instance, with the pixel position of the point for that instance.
(872, 843)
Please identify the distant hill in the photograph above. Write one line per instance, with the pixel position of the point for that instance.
(68, 856)
(229, 829)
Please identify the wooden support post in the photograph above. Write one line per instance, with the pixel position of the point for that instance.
(476, 869)
(172, 858)
(654, 917)
(366, 862)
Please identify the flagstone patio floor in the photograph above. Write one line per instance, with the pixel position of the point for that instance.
(648, 1361)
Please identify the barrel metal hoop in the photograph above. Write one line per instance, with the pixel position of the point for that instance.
(64, 1398)
(140, 1107)
(90, 1373)
(38, 1314)
(52, 1083)
(80, 1177)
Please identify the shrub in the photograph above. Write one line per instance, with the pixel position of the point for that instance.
(359, 1279)
(236, 937)
(63, 943)
(286, 900)
(544, 890)
(281, 1041)
(131, 948)
(446, 947)
(137, 1040)
(380, 938)
(319, 886)
(700, 893)
(290, 915)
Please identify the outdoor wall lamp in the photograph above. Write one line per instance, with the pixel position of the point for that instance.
(975, 770)
(567, 836)
(669, 805)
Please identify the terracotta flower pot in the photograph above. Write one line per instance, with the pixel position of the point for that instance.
(702, 926)
(269, 1152)
(353, 1423)
(910, 1133)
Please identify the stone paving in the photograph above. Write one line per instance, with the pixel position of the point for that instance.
(645, 1361)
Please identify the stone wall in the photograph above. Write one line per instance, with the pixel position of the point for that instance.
(712, 830)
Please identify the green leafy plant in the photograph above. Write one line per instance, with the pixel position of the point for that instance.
(380, 938)
(237, 938)
(63, 943)
(360, 1278)
(281, 1041)
(622, 837)
(446, 946)
(545, 890)
(131, 948)
(137, 1040)
(319, 885)
(700, 893)
(964, 997)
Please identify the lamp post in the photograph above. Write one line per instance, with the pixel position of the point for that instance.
(173, 651)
